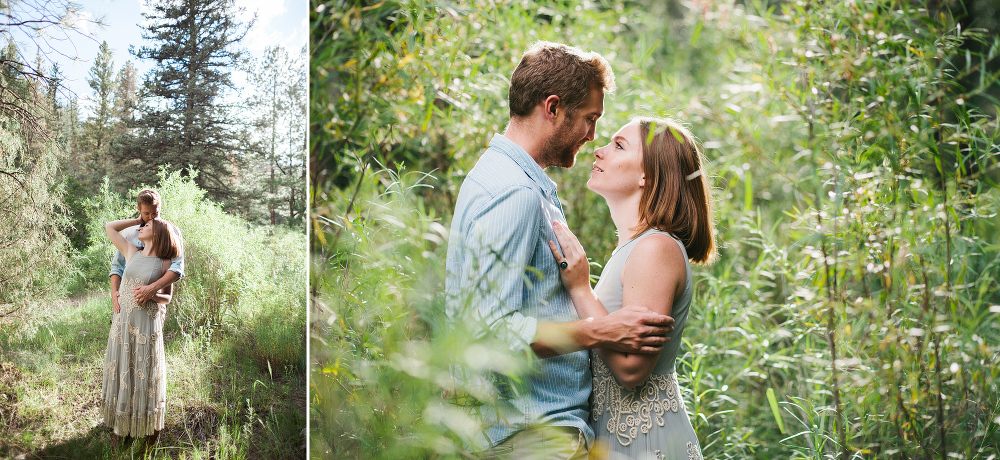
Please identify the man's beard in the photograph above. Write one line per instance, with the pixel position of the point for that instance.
(559, 149)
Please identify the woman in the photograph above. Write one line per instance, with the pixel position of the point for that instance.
(133, 394)
(659, 202)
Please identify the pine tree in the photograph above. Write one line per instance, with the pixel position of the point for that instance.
(184, 123)
(103, 83)
(126, 99)
(277, 105)
(32, 219)
(298, 105)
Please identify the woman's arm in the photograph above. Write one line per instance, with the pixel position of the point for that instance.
(163, 296)
(653, 275)
(576, 275)
(114, 229)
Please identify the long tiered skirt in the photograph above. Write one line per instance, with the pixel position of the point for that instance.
(133, 393)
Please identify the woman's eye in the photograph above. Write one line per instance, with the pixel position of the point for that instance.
(619, 145)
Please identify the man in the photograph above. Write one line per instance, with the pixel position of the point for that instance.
(500, 266)
(148, 203)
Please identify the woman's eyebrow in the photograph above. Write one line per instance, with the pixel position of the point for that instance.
(621, 139)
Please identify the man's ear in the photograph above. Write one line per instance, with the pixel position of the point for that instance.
(550, 106)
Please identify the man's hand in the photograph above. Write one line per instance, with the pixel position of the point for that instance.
(114, 301)
(634, 329)
(143, 293)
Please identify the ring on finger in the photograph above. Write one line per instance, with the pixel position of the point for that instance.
(563, 265)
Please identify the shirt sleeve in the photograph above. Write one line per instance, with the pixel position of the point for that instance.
(117, 264)
(177, 263)
(500, 241)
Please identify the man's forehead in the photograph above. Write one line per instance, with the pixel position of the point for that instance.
(595, 106)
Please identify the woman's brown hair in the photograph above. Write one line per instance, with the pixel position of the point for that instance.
(675, 197)
(166, 243)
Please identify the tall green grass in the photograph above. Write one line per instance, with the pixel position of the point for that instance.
(853, 311)
(391, 376)
(220, 403)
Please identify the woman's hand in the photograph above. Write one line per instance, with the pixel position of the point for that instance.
(142, 294)
(573, 266)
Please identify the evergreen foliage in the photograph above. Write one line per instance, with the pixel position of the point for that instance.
(32, 217)
(184, 124)
(102, 81)
(126, 97)
(277, 112)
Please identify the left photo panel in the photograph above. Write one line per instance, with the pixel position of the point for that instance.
(153, 268)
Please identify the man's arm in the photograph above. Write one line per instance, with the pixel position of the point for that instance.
(116, 282)
(495, 248)
(117, 268)
(631, 329)
(502, 240)
(163, 296)
(144, 293)
(635, 330)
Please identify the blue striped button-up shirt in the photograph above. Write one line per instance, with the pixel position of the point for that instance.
(501, 268)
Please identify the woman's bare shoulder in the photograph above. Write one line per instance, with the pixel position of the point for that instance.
(657, 248)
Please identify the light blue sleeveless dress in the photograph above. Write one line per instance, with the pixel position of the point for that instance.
(649, 421)
(133, 392)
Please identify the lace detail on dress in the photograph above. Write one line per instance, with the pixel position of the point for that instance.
(126, 300)
(694, 453)
(633, 410)
(133, 392)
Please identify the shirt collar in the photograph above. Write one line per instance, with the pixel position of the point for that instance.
(521, 157)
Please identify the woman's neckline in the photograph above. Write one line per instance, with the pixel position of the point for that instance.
(634, 238)
(628, 242)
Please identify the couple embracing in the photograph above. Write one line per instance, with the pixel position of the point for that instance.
(604, 382)
(148, 260)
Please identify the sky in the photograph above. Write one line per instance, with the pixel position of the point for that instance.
(279, 22)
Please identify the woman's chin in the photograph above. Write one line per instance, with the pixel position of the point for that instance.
(590, 187)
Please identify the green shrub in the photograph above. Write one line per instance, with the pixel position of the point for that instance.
(34, 266)
(233, 270)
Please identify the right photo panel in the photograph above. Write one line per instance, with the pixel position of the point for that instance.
(654, 230)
